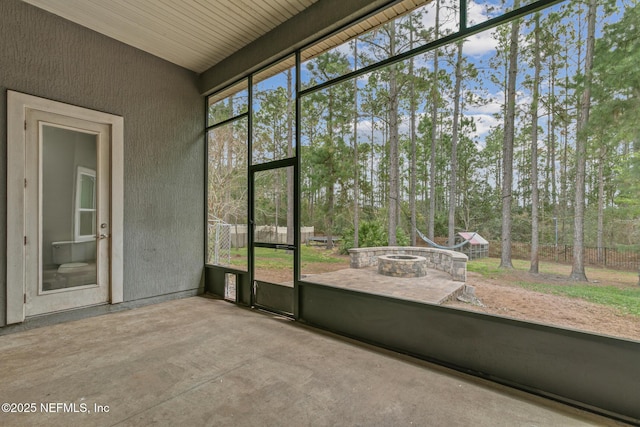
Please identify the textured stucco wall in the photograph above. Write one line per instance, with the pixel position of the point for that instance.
(47, 56)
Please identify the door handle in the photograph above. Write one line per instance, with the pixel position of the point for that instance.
(103, 236)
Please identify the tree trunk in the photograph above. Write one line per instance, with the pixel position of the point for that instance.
(331, 174)
(229, 167)
(393, 145)
(600, 230)
(551, 154)
(330, 214)
(434, 134)
(412, 154)
(534, 149)
(577, 268)
(564, 172)
(371, 165)
(454, 148)
(507, 149)
(356, 165)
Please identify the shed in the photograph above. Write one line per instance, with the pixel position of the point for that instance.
(476, 247)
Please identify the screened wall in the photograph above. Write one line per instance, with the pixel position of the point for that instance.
(420, 121)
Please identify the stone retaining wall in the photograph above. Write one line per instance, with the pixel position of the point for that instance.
(454, 263)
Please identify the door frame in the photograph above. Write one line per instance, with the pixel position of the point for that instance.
(278, 296)
(17, 235)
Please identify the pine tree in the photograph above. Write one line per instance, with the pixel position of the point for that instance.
(434, 98)
(534, 147)
(577, 267)
(454, 145)
(509, 133)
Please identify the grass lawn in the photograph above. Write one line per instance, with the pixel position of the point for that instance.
(281, 260)
(614, 288)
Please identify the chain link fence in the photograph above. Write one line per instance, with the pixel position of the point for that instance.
(219, 242)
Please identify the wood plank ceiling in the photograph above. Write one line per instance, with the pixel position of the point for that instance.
(195, 34)
(330, 42)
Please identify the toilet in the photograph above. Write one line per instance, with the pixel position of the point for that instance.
(72, 257)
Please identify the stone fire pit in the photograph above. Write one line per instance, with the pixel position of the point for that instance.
(454, 263)
(402, 265)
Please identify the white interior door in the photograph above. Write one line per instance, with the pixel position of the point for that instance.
(64, 216)
(68, 207)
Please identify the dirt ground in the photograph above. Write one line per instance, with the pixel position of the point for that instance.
(500, 298)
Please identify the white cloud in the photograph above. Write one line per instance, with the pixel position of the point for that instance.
(484, 123)
(480, 44)
(448, 17)
(475, 45)
(476, 13)
(364, 126)
(492, 102)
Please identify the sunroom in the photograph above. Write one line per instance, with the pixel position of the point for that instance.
(246, 154)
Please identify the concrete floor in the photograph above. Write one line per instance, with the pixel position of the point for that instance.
(202, 361)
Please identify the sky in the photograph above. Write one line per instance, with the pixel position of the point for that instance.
(478, 50)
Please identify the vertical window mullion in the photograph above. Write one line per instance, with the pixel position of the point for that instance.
(250, 196)
(296, 193)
